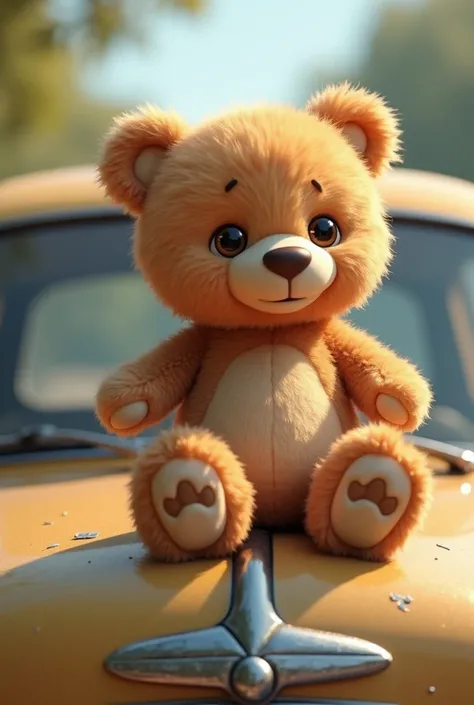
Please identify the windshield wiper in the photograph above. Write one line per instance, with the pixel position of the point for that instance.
(44, 438)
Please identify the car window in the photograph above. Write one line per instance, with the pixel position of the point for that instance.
(76, 331)
(396, 317)
(74, 308)
(461, 306)
(74, 334)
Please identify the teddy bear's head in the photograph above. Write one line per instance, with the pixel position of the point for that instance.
(266, 216)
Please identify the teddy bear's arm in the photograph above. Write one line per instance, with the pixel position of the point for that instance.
(383, 386)
(142, 392)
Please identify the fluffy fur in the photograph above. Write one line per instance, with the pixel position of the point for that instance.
(341, 105)
(372, 439)
(183, 442)
(266, 396)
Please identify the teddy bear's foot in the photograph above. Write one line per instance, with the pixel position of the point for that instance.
(368, 495)
(190, 497)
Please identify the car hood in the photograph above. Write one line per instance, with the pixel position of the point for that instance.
(65, 609)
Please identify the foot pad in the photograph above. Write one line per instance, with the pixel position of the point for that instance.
(185, 495)
(372, 497)
(190, 501)
(375, 491)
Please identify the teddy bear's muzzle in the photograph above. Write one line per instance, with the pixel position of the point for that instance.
(281, 274)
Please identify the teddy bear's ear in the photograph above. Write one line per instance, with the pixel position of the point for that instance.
(133, 153)
(366, 121)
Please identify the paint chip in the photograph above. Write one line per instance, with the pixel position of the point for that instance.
(402, 601)
(432, 689)
(83, 535)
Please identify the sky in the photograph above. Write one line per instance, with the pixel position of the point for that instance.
(238, 52)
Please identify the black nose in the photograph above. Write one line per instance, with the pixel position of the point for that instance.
(287, 262)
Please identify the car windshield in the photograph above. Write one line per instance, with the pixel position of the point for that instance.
(72, 308)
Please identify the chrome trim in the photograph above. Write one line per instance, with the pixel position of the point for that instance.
(253, 653)
(252, 618)
(461, 459)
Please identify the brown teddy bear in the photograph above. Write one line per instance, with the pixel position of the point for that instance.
(261, 228)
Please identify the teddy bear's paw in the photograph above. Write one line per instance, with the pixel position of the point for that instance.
(190, 501)
(370, 501)
(129, 416)
(364, 503)
(391, 410)
(190, 496)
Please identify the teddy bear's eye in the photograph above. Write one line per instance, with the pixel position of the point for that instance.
(324, 232)
(228, 241)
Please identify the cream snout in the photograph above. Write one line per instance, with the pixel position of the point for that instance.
(281, 274)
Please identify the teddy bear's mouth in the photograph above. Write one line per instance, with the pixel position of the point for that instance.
(282, 301)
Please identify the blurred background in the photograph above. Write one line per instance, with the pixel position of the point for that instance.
(68, 66)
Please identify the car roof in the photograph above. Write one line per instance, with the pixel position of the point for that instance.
(52, 191)
(408, 191)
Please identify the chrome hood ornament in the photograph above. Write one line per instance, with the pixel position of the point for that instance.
(253, 653)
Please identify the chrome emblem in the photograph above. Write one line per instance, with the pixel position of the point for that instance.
(253, 654)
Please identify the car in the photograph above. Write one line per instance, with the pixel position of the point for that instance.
(86, 617)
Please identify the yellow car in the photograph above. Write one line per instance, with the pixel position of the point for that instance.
(85, 617)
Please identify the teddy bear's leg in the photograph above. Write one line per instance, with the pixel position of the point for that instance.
(368, 495)
(190, 497)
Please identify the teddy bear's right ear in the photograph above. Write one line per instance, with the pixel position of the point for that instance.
(370, 126)
(133, 153)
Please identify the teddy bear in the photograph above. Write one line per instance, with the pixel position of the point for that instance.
(261, 229)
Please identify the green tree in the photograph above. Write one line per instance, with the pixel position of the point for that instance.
(42, 46)
(74, 140)
(421, 58)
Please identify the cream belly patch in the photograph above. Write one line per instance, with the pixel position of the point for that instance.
(272, 410)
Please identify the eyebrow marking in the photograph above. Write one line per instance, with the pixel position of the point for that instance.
(230, 185)
(317, 185)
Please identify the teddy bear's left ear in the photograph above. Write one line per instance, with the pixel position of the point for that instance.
(133, 153)
(366, 121)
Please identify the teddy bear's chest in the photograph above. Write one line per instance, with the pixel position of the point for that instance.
(272, 409)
